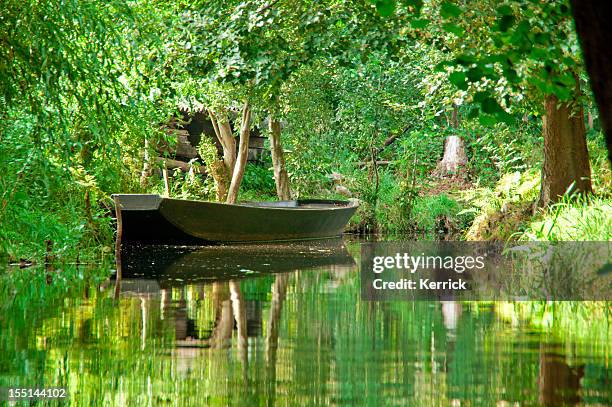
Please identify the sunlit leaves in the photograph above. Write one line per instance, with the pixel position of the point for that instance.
(64, 63)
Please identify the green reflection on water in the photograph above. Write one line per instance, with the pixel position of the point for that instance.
(302, 337)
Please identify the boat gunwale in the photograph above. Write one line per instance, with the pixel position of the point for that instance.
(350, 204)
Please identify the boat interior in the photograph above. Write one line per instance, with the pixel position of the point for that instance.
(301, 204)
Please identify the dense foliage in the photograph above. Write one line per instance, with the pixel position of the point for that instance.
(366, 92)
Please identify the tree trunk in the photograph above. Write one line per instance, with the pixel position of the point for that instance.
(146, 165)
(590, 119)
(223, 131)
(224, 322)
(219, 173)
(243, 153)
(592, 25)
(454, 150)
(222, 171)
(278, 161)
(566, 158)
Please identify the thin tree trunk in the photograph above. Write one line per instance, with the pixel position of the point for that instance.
(239, 309)
(243, 153)
(455, 117)
(566, 158)
(146, 165)
(166, 180)
(279, 294)
(590, 119)
(278, 161)
(229, 152)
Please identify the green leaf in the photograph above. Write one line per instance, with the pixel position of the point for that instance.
(490, 105)
(419, 23)
(453, 29)
(465, 60)
(568, 61)
(441, 67)
(505, 23)
(538, 53)
(568, 79)
(475, 74)
(504, 10)
(564, 10)
(487, 120)
(480, 96)
(542, 38)
(562, 92)
(505, 117)
(511, 75)
(459, 80)
(448, 10)
(385, 7)
(524, 28)
(474, 112)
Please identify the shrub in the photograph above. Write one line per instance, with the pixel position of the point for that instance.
(578, 218)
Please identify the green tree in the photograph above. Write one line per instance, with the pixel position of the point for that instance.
(518, 47)
(258, 47)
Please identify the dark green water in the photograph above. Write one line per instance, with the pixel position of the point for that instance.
(214, 327)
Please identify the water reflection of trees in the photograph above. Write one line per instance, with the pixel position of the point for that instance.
(314, 343)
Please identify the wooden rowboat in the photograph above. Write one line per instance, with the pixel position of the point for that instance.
(150, 218)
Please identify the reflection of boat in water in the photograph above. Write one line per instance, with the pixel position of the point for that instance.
(159, 273)
(153, 219)
(179, 265)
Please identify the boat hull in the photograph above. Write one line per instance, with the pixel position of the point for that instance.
(153, 219)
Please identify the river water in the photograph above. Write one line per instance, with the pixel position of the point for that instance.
(285, 325)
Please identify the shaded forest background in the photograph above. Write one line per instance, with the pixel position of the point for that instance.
(447, 120)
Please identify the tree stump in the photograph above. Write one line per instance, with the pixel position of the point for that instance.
(454, 157)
